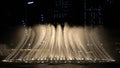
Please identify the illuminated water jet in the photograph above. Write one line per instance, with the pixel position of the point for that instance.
(47, 44)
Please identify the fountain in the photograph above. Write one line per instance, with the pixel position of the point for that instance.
(50, 44)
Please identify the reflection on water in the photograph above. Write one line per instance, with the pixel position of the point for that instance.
(16, 65)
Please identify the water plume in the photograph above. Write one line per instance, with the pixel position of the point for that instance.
(50, 44)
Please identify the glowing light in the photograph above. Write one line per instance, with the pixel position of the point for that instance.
(31, 2)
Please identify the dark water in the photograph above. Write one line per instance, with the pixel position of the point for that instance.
(23, 65)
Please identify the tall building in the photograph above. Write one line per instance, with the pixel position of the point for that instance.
(93, 12)
(96, 12)
(62, 10)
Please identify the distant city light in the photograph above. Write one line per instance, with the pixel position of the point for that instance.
(31, 2)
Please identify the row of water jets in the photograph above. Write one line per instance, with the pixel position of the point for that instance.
(50, 44)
